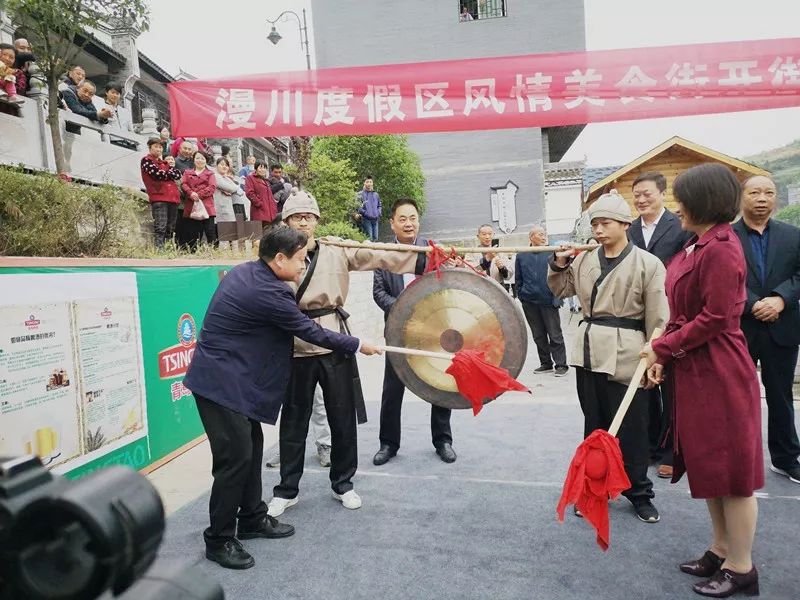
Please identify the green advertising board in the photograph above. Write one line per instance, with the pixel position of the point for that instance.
(172, 302)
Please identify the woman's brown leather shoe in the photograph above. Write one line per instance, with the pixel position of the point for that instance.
(704, 566)
(726, 583)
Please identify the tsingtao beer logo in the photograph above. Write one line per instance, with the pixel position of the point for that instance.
(32, 322)
(106, 314)
(187, 330)
(174, 361)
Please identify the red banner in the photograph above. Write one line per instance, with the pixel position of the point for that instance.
(543, 90)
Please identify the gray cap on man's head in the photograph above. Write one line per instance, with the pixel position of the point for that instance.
(611, 206)
(299, 202)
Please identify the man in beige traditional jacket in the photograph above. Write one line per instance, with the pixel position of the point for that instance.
(321, 295)
(621, 291)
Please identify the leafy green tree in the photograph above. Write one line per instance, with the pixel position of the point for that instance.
(58, 30)
(789, 214)
(387, 158)
(331, 182)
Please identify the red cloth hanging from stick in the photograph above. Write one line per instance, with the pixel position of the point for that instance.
(595, 474)
(477, 380)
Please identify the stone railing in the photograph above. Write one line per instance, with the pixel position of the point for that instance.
(94, 152)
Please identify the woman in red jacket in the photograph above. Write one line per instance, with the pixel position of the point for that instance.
(199, 184)
(717, 407)
(262, 203)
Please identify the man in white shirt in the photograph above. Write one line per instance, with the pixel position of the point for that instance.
(658, 231)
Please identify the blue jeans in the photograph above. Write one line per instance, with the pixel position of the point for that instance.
(370, 227)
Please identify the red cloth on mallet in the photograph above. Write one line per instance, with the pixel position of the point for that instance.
(478, 380)
(595, 474)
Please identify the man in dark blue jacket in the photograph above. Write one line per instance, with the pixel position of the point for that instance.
(369, 209)
(771, 318)
(386, 287)
(541, 306)
(239, 376)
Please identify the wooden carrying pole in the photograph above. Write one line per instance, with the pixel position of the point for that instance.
(415, 352)
(458, 249)
(631, 391)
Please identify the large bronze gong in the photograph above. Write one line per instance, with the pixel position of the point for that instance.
(457, 310)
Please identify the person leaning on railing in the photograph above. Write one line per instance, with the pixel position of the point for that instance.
(80, 103)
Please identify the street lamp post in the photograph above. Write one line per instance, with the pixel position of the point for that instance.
(276, 37)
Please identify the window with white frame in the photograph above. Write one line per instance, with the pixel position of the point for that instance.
(476, 10)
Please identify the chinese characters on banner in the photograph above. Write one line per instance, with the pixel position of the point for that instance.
(544, 90)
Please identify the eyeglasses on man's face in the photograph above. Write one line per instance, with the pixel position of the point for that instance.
(303, 217)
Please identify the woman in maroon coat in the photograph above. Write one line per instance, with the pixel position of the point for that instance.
(717, 408)
(199, 184)
(262, 203)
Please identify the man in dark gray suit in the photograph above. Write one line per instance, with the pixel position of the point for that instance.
(386, 287)
(658, 231)
(771, 318)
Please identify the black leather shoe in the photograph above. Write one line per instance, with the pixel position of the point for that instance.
(384, 455)
(726, 583)
(231, 556)
(446, 453)
(268, 528)
(705, 566)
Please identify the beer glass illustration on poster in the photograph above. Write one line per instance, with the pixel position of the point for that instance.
(110, 363)
(71, 372)
(39, 412)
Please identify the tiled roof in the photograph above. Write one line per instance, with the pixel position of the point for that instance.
(592, 175)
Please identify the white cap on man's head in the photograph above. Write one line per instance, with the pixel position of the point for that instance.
(299, 202)
(611, 206)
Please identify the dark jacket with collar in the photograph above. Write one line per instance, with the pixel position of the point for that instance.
(244, 350)
(668, 239)
(387, 286)
(783, 279)
(530, 273)
(79, 107)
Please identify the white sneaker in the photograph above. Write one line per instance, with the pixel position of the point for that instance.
(349, 499)
(277, 505)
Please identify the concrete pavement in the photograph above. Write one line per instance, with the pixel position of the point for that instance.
(483, 527)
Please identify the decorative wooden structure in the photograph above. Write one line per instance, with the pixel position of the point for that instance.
(670, 159)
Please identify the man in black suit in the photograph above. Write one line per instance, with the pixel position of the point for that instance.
(386, 287)
(771, 318)
(658, 231)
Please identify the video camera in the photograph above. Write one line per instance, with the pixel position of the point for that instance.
(86, 539)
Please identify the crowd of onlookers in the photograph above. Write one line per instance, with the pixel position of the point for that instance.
(192, 192)
(76, 93)
(15, 61)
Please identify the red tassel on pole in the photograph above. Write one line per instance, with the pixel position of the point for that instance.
(477, 380)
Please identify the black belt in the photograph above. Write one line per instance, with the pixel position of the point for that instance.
(316, 313)
(352, 364)
(619, 322)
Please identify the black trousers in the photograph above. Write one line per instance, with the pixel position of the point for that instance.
(182, 229)
(196, 229)
(391, 405)
(165, 215)
(660, 427)
(777, 375)
(237, 447)
(332, 372)
(600, 398)
(545, 324)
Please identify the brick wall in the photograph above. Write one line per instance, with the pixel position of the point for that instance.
(459, 167)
